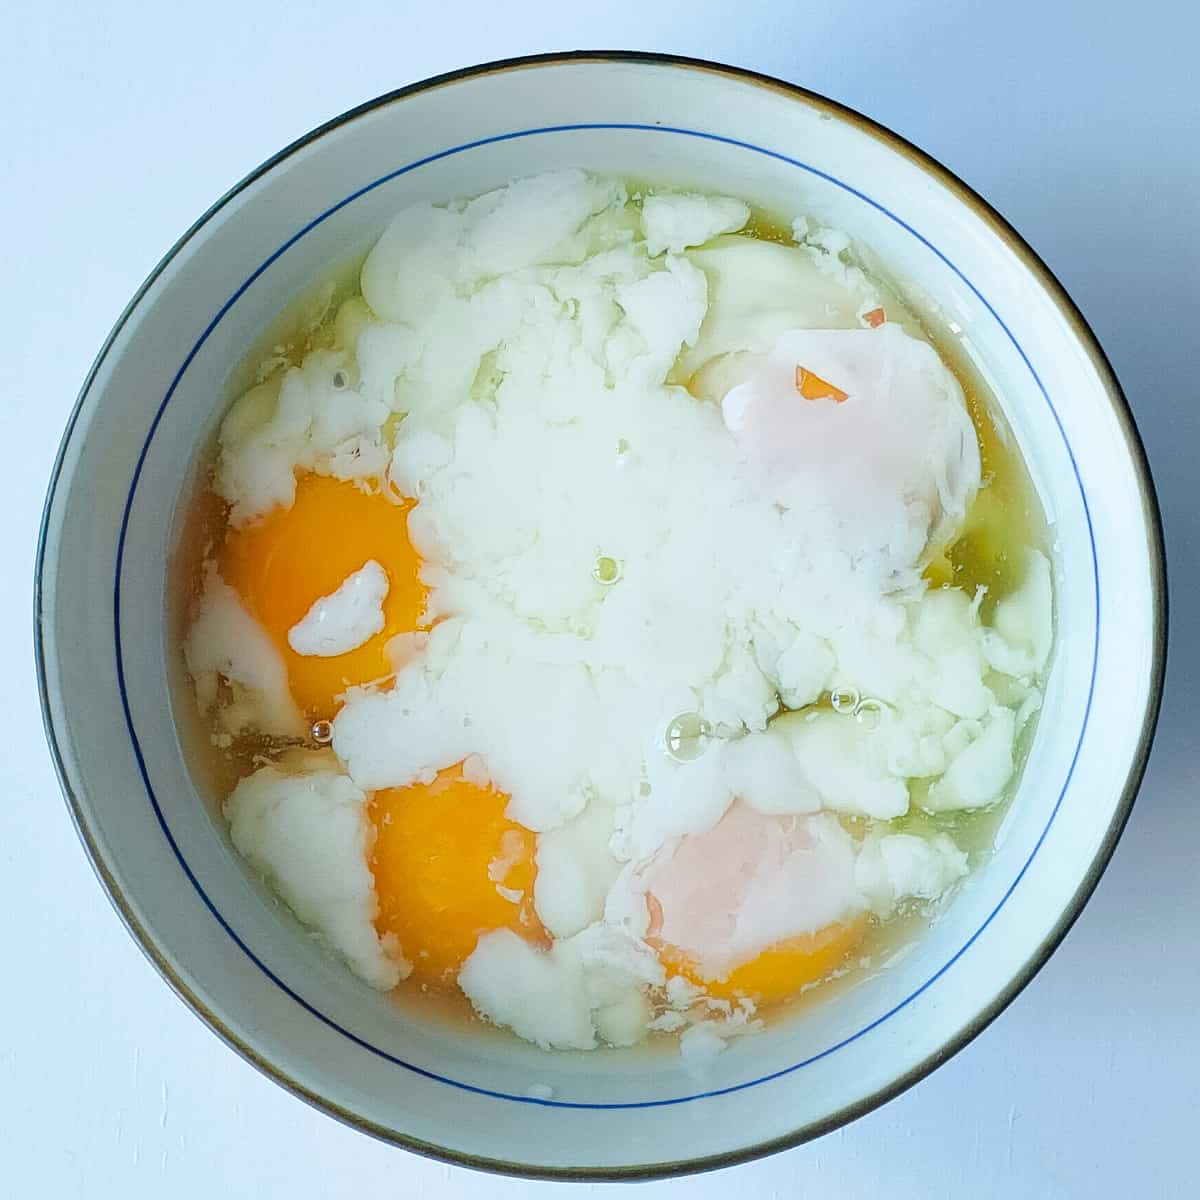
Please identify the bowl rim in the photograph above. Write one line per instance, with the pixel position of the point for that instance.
(1152, 528)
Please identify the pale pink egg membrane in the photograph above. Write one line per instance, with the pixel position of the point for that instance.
(890, 460)
(750, 882)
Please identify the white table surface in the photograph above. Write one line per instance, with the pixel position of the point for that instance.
(122, 121)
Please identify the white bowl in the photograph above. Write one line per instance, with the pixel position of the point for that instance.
(107, 654)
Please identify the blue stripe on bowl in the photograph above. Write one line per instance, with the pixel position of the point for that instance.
(224, 309)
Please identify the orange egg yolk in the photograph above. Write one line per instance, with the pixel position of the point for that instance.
(286, 561)
(444, 850)
(442, 853)
(778, 972)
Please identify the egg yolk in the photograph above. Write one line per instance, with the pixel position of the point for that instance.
(282, 564)
(448, 864)
(779, 971)
(442, 853)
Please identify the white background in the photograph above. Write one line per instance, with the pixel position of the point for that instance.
(121, 122)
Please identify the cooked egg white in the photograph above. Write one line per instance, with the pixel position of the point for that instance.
(599, 536)
(346, 618)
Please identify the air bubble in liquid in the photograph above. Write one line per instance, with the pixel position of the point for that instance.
(868, 713)
(688, 737)
(606, 570)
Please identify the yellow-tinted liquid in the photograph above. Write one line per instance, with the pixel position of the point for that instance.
(988, 552)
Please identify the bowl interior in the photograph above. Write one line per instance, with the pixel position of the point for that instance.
(110, 654)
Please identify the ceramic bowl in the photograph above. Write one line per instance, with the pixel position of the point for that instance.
(108, 656)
